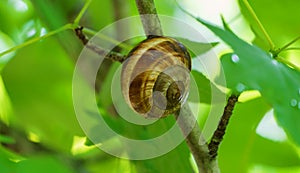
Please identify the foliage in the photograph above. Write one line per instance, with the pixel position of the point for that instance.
(38, 127)
(249, 62)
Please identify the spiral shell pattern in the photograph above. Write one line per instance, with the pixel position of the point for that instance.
(155, 77)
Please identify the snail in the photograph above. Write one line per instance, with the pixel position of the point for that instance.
(155, 77)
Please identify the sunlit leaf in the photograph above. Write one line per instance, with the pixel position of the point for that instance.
(272, 153)
(8, 157)
(5, 43)
(11, 162)
(46, 164)
(249, 67)
(112, 165)
(179, 155)
(279, 22)
(205, 88)
(244, 147)
(14, 14)
(5, 164)
(196, 48)
(5, 104)
(41, 92)
(6, 139)
(264, 169)
(240, 136)
(113, 106)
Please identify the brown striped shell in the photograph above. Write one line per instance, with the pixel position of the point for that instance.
(155, 77)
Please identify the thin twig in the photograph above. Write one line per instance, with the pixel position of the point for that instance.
(260, 25)
(106, 38)
(290, 43)
(283, 60)
(291, 48)
(149, 17)
(285, 47)
(220, 132)
(80, 35)
(36, 39)
(82, 11)
(198, 147)
(114, 56)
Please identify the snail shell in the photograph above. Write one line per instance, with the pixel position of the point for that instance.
(155, 77)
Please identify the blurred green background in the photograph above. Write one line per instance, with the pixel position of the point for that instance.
(38, 128)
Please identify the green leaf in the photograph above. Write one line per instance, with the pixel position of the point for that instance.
(205, 88)
(5, 43)
(225, 24)
(271, 153)
(11, 162)
(252, 68)
(5, 104)
(242, 146)
(278, 21)
(111, 165)
(177, 160)
(196, 48)
(240, 136)
(104, 96)
(180, 154)
(112, 106)
(40, 90)
(7, 157)
(6, 165)
(166, 7)
(6, 139)
(264, 169)
(46, 164)
(14, 15)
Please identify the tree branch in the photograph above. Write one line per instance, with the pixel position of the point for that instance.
(196, 143)
(114, 56)
(149, 17)
(184, 116)
(220, 132)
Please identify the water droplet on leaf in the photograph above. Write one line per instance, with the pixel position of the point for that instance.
(294, 103)
(235, 58)
(271, 54)
(240, 87)
(274, 62)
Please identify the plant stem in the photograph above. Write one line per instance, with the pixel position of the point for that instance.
(220, 132)
(290, 43)
(285, 47)
(198, 147)
(260, 25)
(63, 28)
(82, 11)
(104, 37)
(149, 17)
(281, 59)
(114, 56)
(80, 35)
(291, 48)
(68, 26)
(34, 40)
